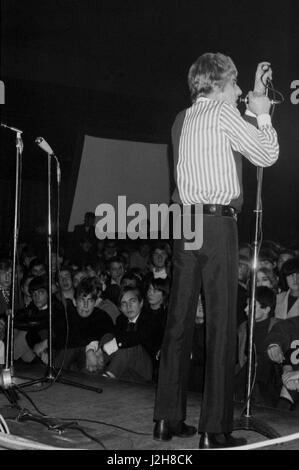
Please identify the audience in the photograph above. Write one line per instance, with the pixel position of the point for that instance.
(114, 296)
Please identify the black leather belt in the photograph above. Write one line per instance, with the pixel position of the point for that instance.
(219, 209)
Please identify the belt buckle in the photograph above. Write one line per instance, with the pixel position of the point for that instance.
(212, 209)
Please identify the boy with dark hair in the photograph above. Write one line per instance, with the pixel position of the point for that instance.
(265, 388)
(31, 323)
(287, 302)
(86, 324)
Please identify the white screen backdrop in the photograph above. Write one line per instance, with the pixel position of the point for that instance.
(111, 168)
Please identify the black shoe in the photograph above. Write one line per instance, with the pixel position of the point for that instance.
(183, 430)
(165, 430)
(214, 441)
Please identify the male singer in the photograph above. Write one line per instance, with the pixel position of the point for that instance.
(206, 139)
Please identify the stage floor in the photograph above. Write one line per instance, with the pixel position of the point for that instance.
(121, 414)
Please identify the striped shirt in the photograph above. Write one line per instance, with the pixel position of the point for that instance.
(211, 131)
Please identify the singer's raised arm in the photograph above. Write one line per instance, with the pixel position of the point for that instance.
(259, 146)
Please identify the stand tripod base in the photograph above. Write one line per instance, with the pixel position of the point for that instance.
(10, 383)
(52, 377)
(249, 423)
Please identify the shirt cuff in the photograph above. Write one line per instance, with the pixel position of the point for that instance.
(93, 346)
(250, 113)
(263, 120)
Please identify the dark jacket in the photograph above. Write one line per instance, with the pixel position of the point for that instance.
(147, 332)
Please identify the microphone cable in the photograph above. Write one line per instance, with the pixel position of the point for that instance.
(277, 95)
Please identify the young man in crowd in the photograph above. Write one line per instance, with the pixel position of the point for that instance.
(138, 337)
(266, 389)
(86, 324)
(31, 323)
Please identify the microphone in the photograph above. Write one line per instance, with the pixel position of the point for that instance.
(40, 141)
(246, 101)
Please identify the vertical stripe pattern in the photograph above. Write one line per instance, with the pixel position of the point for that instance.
(212, 130)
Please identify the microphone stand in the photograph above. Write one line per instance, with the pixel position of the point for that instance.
(248, 422)
(51, 375)
(10, 385)
(6, 379)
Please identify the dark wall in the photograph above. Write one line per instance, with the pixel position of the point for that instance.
(118, 69)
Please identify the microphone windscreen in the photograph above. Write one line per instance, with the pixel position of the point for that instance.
(40, 141)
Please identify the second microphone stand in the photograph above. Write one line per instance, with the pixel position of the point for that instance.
(248, 422)
(51, 375)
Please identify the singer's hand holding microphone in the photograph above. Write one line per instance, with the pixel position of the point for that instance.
(257, 103)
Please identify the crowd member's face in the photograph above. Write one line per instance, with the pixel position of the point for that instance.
(130, 305)
(116, 271)
(263, 280)
(5, 278)
(65, 280)
(159, 258)
(231, 91)
(293, 281)
(261, 313)
(154, 296)
(266, 263)
(40, 298)
(78, 276)
(85, 305)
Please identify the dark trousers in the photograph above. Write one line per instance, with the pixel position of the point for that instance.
(132, 363)
(214, 267)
